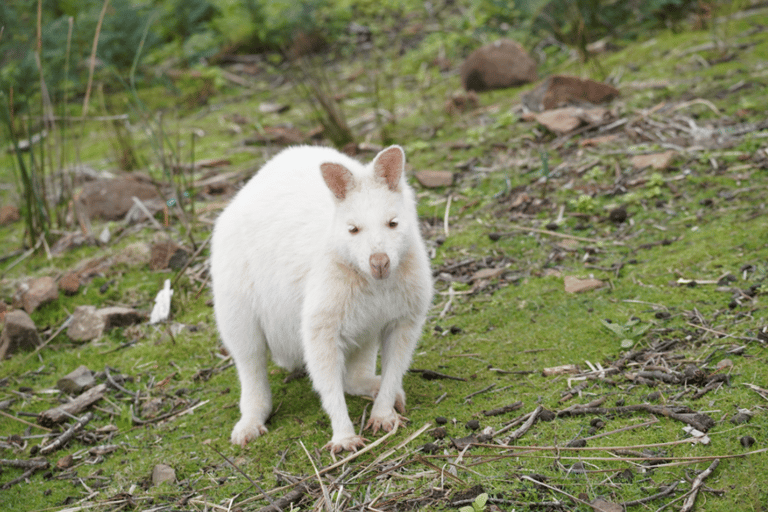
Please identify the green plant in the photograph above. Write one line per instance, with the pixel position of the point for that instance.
(628, 332)
(478, 505)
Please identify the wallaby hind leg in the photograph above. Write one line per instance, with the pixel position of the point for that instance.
(247, 344)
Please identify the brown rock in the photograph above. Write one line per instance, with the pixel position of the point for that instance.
(9, 214)
(563, 90)
(77, 381)
(86, 324)
(116, 316)
(461, 102)
(36, 293)
(18, 334)
(167, 254)
(501, 64)
(434, 179)
(488, 273)
(576, 285)
(112, 199)
(566, 119)
(70, 283)
(658, 161)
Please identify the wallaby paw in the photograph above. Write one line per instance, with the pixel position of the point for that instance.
(387, 423)
(350, 444)
(246, 431)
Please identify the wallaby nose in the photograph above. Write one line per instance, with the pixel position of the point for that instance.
(380, 265)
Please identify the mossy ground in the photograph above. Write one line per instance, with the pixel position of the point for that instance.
(709, 206)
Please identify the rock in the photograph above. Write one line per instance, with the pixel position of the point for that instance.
(76, 381)
(111, 199)
(162, 253)
(488, 273)
(576, 285)
(566, 119)
(659, 161)
(498, 65)
(601, 505)
(116, 316)
(138, 253)
(461, 102)
(562, 90)
(70, 283)
(9, 214)
(163, 473)
(18, 334)
(36, 293)
(434, 179)
(86, 324)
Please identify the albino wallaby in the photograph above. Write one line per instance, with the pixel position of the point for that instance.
(319, 258)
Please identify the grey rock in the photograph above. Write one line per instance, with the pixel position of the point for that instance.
(86, 324)
(163, 473)
(18, 334)
(76, 381)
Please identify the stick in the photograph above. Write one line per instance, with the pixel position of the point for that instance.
(525, 427)
(36, 463)
(11, 416)
(58, 414)
(257, 486)
(479, 392)
(697, 483)
(553, 233)
(666, 492)
(28, 473)
(67, 435)
(447, 214)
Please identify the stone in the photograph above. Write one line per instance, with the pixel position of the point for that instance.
(658, 161)
(37, 292)
(576, 285)
(9, 214)
(498, 65)
(167, 254)
(111, 199)
(70, 283)
(162, 473)
(138, 253)
(18, 334)
(434, 179)
(86, 324)
(566, 119)
(76, 381)
(117, 316)
(488, 273)
(563, 90)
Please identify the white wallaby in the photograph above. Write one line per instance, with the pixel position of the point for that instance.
(319, 258)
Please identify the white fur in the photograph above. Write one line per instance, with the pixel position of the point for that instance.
(289, 275)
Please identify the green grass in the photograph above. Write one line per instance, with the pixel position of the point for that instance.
(523, 326)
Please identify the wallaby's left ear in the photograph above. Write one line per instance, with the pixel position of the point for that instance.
(389, 165)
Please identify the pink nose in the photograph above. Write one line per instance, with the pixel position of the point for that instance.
(380, 265)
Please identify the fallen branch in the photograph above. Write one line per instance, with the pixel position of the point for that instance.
(525, 427)
(503, 410)
(697, 483)
(683, 414)
(666, 492)
(58, 414)
(60, 441)
(432, 375)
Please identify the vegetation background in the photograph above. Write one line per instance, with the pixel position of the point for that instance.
(186, 94)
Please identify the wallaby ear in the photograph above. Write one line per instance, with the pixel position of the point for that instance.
(338, 178)
(389, 165)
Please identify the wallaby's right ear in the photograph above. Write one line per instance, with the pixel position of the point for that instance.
(338, 178)
(388, 166)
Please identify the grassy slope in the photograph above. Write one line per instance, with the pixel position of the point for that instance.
(528, 325)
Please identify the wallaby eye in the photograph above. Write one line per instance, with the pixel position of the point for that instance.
(393, 223)
(354, 230)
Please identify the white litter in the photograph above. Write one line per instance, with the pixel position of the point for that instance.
(162, 309)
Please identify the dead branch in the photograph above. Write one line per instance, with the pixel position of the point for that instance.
(289, 499)
(60, 441)
(666, 492)
(481, 391)
(58, 414)
(697, 483)
(432, 375)
(525, 427)
(36, 463)
(503, 410)
(683, 414)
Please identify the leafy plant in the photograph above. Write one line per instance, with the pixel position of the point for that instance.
(478, 505)
(628, 332)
